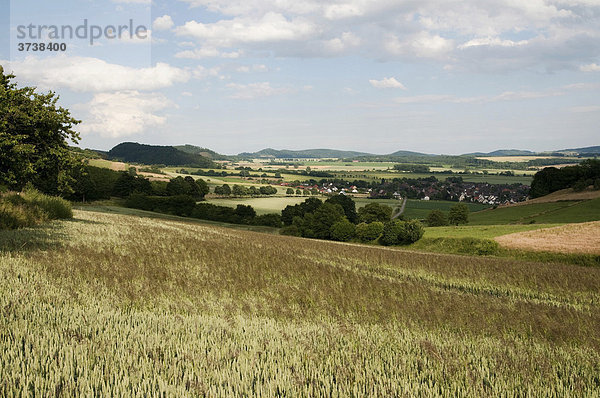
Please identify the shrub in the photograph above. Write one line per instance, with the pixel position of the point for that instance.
(398, 232)
(436, 218)
(343, 231)
(290, 230)
(268, 220)
(13, 216)
(369, 232)
(55, 207)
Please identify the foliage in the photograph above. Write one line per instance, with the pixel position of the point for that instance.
(436, 218)
(347, 204)
(289, 191)
(369, 232)
(459, 214)
(187, 186)
(551, 179)
(127, 184)
(374, 212)
(34, 139)
(343, 230)
(396, 232)
(299, 210)
(464, 245)
(152, 154)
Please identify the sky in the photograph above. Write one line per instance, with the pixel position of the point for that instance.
(434, 76)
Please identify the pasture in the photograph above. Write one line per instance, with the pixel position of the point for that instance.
(541, 212)
(116, 305)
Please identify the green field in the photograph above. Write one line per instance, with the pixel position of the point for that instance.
(419, 209)
(261, 205)
(544, 213)
(115, 305)
(480, 231)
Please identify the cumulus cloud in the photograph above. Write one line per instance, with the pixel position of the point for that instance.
(163, 23)
(122, 113)
(470, 34)
(272, 27)
(83, 74)
(388, 82)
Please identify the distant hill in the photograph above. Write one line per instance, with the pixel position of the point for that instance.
(589, 150)
(302, 154)
(408, 153)
(132, 152)
(196, 150)
(502, 152)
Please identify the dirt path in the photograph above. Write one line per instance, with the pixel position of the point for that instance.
(401, 209)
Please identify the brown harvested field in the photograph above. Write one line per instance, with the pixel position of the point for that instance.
(572, 238)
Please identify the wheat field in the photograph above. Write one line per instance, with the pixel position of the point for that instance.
(116, 305)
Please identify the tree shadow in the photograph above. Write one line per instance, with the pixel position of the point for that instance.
(42, 237)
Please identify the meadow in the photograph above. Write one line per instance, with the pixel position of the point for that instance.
(118, 305)
(544, 213)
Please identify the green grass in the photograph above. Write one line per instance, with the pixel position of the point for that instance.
(116, 305)
(420, 208)
(544, 213)
(262, 205)
(480, 231)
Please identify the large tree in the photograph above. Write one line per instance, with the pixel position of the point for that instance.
(34, 139)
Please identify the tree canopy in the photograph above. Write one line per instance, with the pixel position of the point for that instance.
(34, 139)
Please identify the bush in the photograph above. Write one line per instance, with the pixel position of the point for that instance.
(56, 208)
(436, 218)
(30, 208)
(343, 231)
(398, 232)
(290, 230)
(369, 232)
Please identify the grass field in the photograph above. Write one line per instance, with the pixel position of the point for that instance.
(114, 305)
(419, 209)
(481, 231)
(544, 213)
(261, 205)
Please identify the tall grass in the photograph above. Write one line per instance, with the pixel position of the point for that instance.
(29, 208)
(117, 305)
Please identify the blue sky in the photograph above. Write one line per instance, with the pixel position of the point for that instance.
(371, 75)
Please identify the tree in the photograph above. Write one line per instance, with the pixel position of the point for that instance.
(436, 218)
(459, 214)
(127, 184)
(369, 232)
(289, 191)
(202, 187)
(347, 204)
(239, 190)
(323, 218)
(298, 192)
(343, 230)
(34, 139)
(374, 212)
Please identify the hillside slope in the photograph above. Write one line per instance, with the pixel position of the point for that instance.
(125, 306)
(154, 154)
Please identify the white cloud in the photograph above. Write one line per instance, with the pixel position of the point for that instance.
(252, 68)
(388, 82)
(585, 109)
(207, 52)
(505, 96)
(163, 23)
(272, 27)
(122, 113)
(590, 68)
(256, 90)
(186, 94)
(83, 74)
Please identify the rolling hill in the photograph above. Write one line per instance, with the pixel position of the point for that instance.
(196, 150)
(301, 154)
(133, 152)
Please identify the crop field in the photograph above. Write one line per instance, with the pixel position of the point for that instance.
(116, 305)
(571, 238)
(544, 213)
